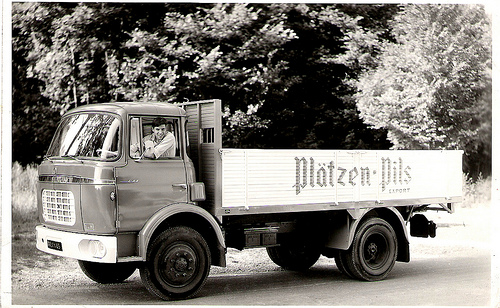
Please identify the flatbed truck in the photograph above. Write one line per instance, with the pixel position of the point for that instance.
(172, 218)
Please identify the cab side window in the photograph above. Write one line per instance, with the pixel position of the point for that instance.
(154, 137)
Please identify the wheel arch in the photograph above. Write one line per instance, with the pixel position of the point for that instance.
(342, 234)
(185, 214)
(397, 222)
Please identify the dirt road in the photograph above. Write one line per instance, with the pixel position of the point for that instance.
(452, 269)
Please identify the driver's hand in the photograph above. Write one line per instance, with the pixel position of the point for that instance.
(149, 144)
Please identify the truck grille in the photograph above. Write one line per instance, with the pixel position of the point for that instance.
(58, 207)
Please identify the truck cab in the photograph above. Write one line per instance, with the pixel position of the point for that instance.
(101, 202)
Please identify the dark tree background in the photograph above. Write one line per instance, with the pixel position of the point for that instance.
(289, 75)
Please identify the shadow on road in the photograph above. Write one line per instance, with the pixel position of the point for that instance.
(223, 284)
(460, 280)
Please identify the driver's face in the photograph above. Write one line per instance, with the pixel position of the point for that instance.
(160, 131)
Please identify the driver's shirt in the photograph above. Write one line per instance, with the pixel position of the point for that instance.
(163, 148)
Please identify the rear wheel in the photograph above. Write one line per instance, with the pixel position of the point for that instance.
(177, 264)
(295, 257)
(107, 272)
(374, 250)
(341, 262)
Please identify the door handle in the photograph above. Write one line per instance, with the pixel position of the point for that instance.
(182, 186)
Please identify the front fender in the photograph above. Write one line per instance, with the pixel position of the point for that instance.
(168, 211)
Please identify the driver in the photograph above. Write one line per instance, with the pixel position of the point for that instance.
(161, 143)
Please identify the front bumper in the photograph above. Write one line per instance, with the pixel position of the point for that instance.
(94, 248)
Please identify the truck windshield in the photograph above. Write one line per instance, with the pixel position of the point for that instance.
(87, 136)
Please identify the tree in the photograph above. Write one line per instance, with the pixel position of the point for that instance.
(60, 59)
(432, 87)
(310, 104)
(33, 117)
(276, 67)
(273, 65)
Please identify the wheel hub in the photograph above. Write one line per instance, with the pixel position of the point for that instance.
(372, 250)
(375, 254)
(179, 264)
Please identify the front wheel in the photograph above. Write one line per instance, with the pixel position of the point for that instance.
(177, 264)
(107, 272)
(374, 250)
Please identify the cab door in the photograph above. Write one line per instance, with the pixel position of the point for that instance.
(146, 185)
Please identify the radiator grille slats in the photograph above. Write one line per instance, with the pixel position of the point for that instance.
(58, 207)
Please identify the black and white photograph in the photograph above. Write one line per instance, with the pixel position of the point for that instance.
(249, 154)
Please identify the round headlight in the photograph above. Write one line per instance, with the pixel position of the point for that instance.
(97, 249)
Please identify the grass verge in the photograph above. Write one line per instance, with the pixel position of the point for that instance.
(25, 219)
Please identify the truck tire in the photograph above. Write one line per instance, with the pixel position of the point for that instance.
(177, 264)
(373, 251)
(294, 257)
(107, 272)
(341, 262)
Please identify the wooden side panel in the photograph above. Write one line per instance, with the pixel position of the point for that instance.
(305, 178)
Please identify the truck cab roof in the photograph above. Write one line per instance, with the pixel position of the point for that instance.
(123, 108)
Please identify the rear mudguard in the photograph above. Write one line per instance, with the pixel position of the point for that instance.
(342, 235)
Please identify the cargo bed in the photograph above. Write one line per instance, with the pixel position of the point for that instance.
(270, 181)
(254, 181)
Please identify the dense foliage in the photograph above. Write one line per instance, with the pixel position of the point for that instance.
(289, 75)
(432, 86)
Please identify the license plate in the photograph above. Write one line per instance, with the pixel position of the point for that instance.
(54, 245)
